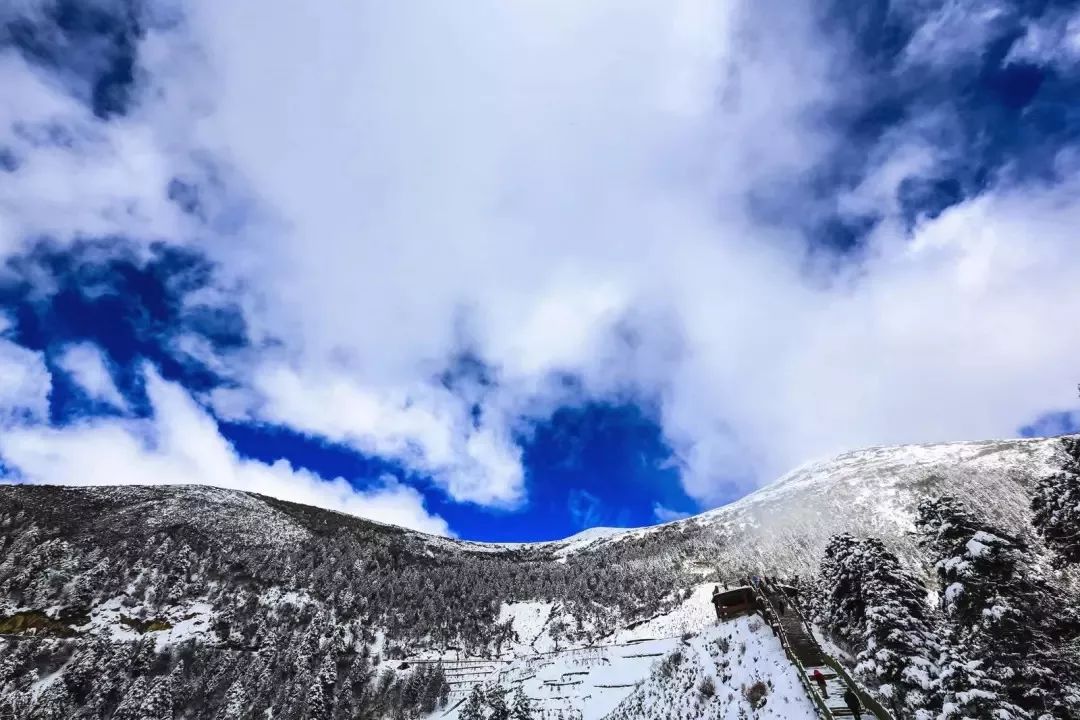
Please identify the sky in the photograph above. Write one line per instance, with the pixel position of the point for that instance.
(506, 271)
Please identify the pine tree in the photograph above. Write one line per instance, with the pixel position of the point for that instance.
(109, 680)
(55, 703)
(129, 707)
(235, 702)
(876, 609)
(473, 709)
(142, 654)
(1056, 506)
(83, 668)
(158, 702)
(1008, 628)
(321, 694)
(522, 708)
(177, 685)
(496, 701)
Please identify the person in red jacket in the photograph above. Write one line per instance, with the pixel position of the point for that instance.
(820, 680)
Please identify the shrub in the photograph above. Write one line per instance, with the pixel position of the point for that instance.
(756, 694)
(670, 663)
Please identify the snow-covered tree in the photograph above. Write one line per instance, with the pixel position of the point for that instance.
(877, 610)
(1008, 628)
(131, 703)
(1056, 506)
(522, 708)
(84, 668)
(54, 703)
(157, 704)
(473, 708)
(497, 707)
(321, 693)
(235, 702)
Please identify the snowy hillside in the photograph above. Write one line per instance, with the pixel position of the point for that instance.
(710, 673)
(658, 669)
(783, 527)
(196, 602)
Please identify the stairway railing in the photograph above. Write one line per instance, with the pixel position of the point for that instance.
(867, 700)
(772, 617)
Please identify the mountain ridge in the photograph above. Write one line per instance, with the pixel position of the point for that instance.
(140, 578)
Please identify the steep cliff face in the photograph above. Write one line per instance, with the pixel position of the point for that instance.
(199, 602)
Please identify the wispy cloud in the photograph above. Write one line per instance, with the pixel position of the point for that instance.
(666, 514)
(88, 367)
(586, 509)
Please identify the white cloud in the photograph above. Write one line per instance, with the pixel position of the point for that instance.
(181, 445)
(954, 32)
(25, 385)
(556, 187)
(1053, 40)
(87, 366)
(76, 175)
(426, 428)
(665, 514)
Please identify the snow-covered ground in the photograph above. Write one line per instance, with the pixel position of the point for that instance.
(692, 615)
(729, 671)
(646, 671)
(661, 678)
(185, 621)
(529, 621)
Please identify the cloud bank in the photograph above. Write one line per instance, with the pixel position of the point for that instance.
(181, 445)
(587, 201)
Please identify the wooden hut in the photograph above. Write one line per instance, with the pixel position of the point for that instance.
(734, 602)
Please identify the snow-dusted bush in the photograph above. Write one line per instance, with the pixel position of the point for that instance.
(756, 693)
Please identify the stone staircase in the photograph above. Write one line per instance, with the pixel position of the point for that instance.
(806, 654)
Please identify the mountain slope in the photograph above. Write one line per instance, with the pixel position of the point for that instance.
(112, 599)
(782, 528)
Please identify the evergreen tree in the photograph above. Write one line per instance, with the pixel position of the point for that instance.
(876, 610)
(522, 708)
(158, 702)
(108, 682)
(473, 709)
(235, 702)
(129, 707)
(1056, 506)
(496, 702)
(177, 685)
(54, 703)
(84, 668)
(321, 694)
(1008, 628)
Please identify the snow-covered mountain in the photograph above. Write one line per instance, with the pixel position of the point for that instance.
(194, 602)
(782, 528)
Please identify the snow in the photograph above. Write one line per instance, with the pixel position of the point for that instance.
(622, 677)
(529, 622)
(981, 542)
(630, 680)
(954, 591)
(275, 596)
(190, 620)
(692, 615)
(586, 538)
